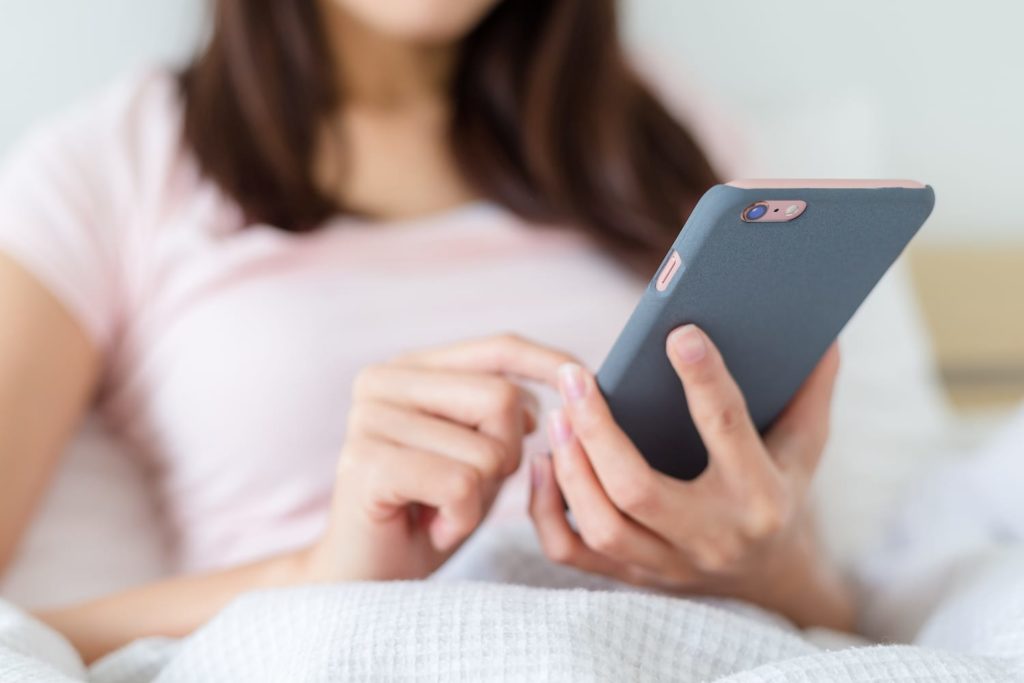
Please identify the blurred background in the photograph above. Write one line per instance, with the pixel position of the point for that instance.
(915, 89)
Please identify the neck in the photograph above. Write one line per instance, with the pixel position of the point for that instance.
(381, 72)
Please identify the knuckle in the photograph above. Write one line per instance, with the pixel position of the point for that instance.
(606, 539)
(634, 495)
(463, 484)
(493, 459)
(505, 397)
(727, 419)
(714, 557)
(560, 550)
(766, 517)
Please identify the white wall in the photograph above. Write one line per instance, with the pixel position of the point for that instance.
(53, 52)
(946, 78)
(936, 85)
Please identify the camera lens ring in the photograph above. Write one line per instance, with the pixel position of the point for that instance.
(755, 212)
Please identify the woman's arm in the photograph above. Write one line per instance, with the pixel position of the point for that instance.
(48, 369)
(173, 608)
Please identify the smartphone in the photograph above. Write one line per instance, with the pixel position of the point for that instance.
(771, 270)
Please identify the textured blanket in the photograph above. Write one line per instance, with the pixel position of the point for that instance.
(481, 632)
(453, 629)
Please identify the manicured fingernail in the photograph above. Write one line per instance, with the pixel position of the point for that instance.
(689, 344)
(570, 380)
(559, 429)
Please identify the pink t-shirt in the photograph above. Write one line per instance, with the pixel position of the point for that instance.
(229, 350)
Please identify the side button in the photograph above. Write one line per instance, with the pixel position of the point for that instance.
(668, 272)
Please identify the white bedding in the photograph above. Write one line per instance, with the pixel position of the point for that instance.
(451, 629)
(532, 621)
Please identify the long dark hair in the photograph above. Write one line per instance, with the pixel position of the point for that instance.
(549, 120)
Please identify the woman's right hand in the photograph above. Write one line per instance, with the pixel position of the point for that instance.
(431, 437)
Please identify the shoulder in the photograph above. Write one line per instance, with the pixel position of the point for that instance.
(111, 144)
(139, 101)
(84, 190)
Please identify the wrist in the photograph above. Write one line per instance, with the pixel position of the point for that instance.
(808, 588)
(294, 568)
(309, 566)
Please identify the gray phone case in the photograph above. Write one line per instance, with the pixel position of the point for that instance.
(772, 296)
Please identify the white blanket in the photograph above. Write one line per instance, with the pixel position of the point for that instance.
(454, 629)
(483, 632)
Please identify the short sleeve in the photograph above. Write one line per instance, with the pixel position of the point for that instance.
(49, 218)
(66, 199)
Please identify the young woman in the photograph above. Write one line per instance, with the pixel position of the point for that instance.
(236, 266)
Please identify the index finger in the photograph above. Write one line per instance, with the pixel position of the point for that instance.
(506, 354)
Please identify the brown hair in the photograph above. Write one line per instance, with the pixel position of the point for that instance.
(549, 120)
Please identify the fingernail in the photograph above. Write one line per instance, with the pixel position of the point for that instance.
(689, 344)
(559, 429)
(570, 380)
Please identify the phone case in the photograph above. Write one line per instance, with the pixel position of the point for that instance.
(772, 297)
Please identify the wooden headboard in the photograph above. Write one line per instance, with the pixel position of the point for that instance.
(973, 301)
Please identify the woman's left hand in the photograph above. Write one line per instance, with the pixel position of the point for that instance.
(742, 529)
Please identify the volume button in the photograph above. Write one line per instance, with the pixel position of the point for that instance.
(668, 271)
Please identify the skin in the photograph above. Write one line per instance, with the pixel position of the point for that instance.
(433, 435)
(394, 60)
(47, 372)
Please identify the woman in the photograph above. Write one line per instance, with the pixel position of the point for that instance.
(221, 262)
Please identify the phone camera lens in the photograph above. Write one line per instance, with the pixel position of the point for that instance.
(755, 212)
